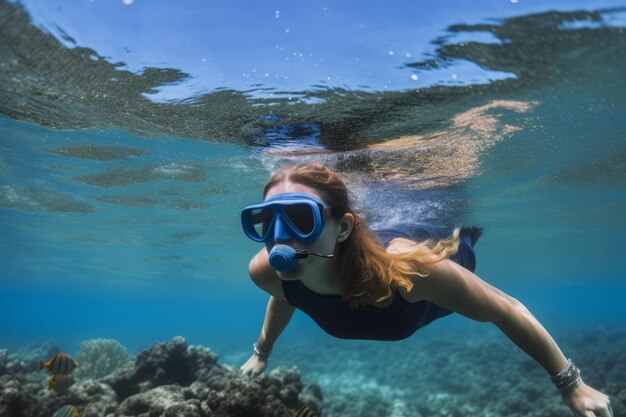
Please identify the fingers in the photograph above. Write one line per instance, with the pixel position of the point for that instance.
(601, 412)
(245, 370)
(252, 368)
(249, 372)
(605, 412)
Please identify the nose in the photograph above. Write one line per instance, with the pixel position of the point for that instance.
(281, 233)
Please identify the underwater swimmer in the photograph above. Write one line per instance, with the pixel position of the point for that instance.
(321, 258)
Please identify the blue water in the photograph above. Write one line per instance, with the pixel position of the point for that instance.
(127, 155)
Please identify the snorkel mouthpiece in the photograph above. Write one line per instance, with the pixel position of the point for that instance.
(283, 258)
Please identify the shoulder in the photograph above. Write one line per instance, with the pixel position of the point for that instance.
(400, 245)
(433, 277)
(452, 286)
(425, 284)
(264, 276)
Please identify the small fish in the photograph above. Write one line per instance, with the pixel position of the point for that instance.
(304, 411)
(67, 411)
(60, 364)
(60, 383)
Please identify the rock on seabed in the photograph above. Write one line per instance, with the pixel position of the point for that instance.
(167, 380)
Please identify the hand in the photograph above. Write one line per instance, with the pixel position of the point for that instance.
(254, 366)
(587, 402)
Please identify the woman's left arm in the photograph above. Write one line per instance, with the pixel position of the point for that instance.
(451, 286)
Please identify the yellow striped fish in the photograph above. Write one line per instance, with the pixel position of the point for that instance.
(67, 411)
(304, 411)
(60, 364)
(60, 383)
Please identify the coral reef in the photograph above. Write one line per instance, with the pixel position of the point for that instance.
(459, 372)
(168, 379)
(99, 358)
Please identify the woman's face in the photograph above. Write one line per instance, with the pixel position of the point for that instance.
(324, 245)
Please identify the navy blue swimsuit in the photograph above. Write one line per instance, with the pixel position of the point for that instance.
(397, 321)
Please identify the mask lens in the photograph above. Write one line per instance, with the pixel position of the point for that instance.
(261, 219)
(301, 215)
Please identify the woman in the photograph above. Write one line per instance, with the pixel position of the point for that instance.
(321, 257)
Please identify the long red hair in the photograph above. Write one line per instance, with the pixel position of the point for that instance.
(368, 272)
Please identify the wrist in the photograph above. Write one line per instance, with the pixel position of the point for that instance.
(263, 345)
(568, 380)
(261, 351)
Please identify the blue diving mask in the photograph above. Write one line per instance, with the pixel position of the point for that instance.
(284, 217)
(287, 216)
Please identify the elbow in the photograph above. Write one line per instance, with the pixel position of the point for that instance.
(251, 267)
(510, 309)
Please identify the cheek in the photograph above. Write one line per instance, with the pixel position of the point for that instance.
(326, 241)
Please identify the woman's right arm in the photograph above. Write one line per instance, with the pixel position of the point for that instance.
(277, 314)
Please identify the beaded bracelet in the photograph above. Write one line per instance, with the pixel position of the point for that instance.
(568, 379)
(262, 355)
